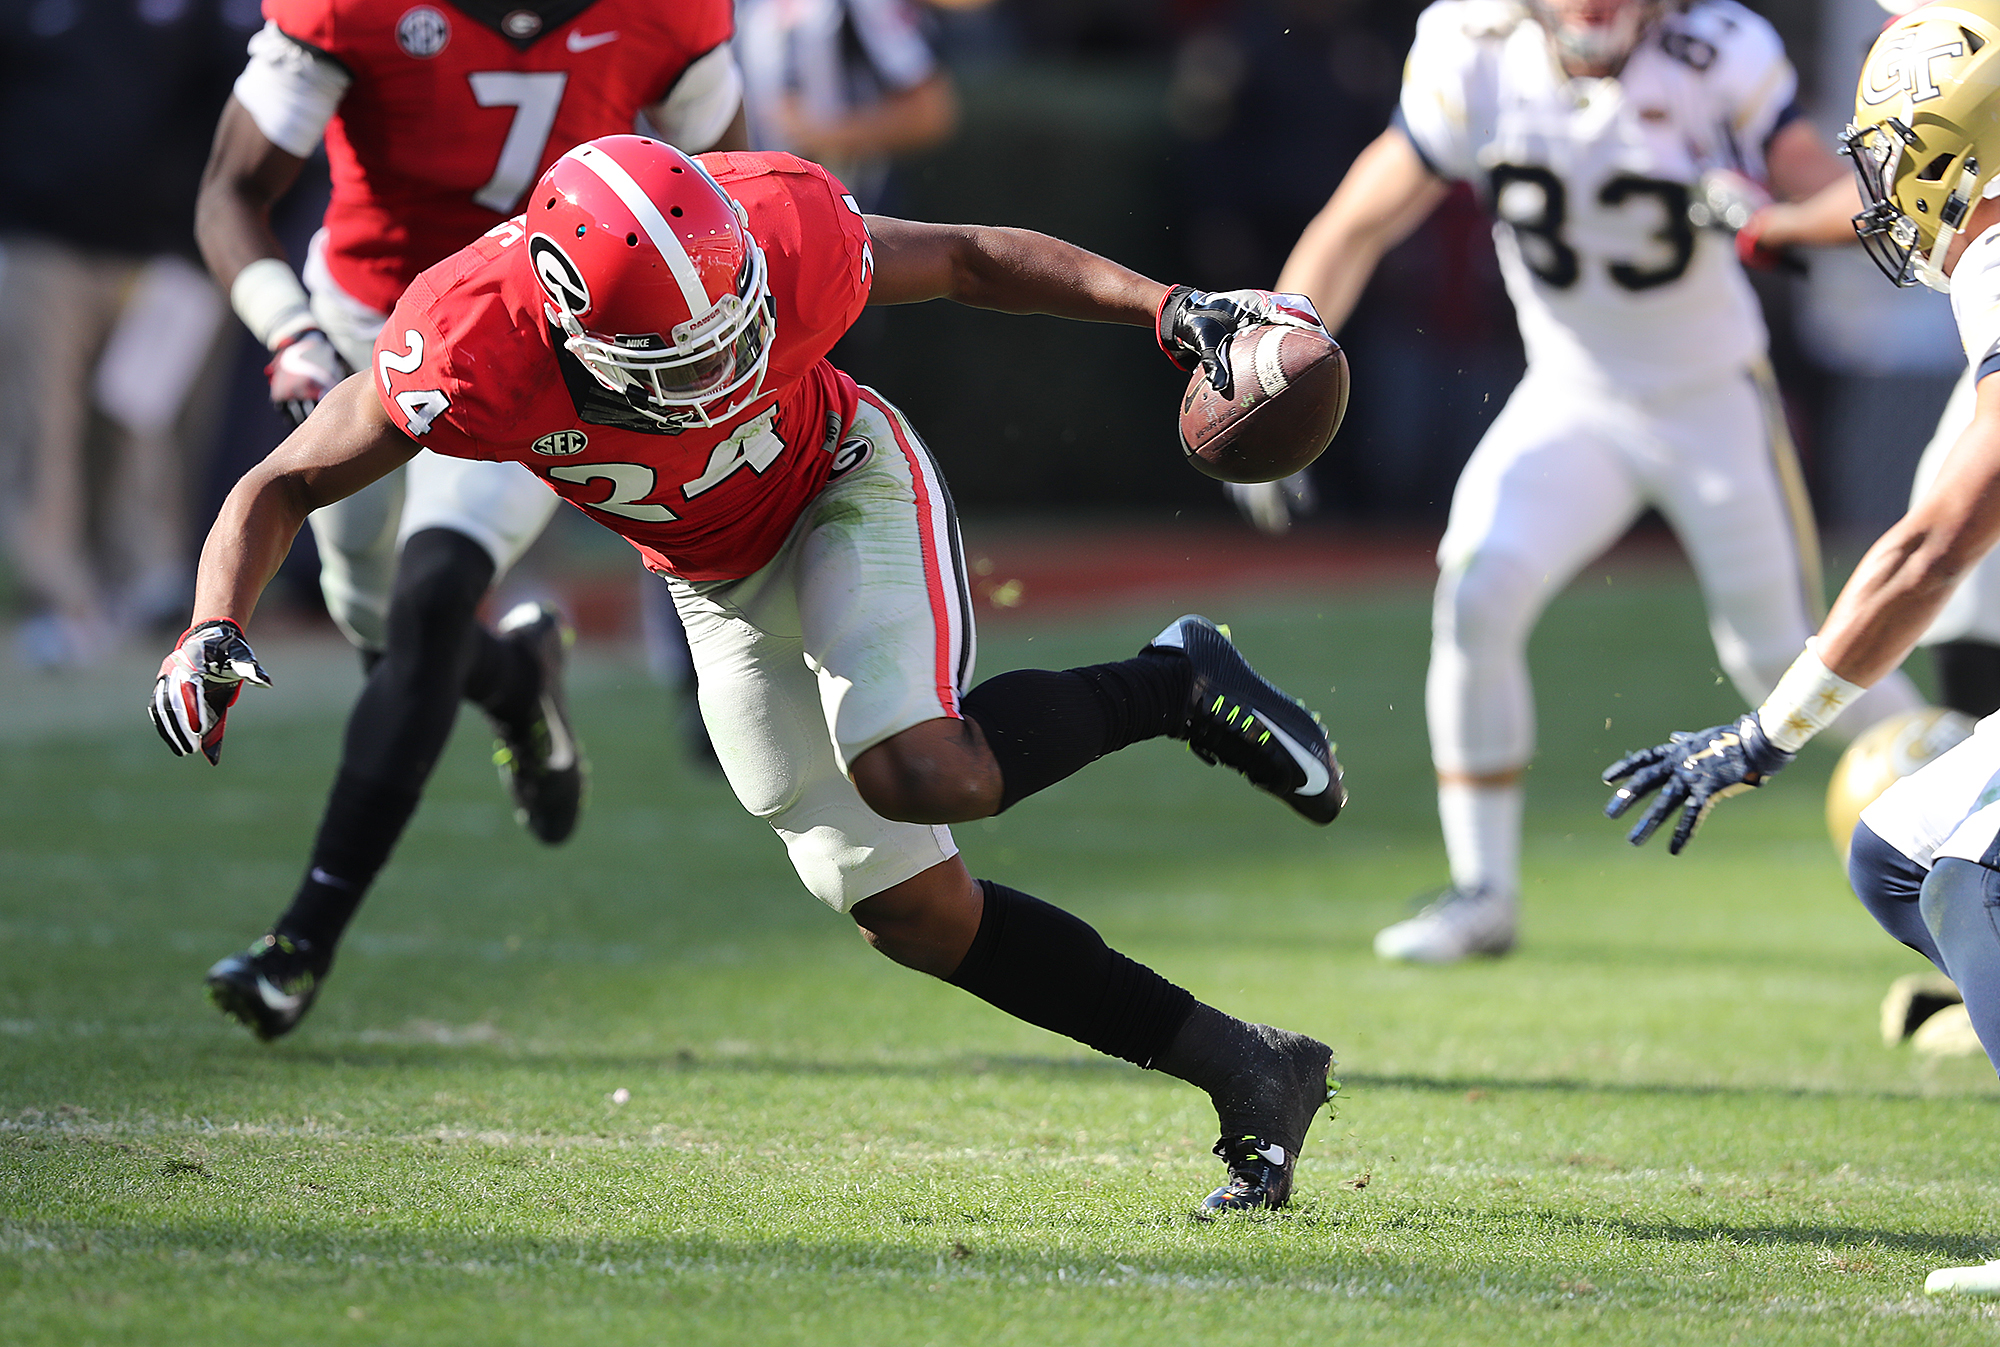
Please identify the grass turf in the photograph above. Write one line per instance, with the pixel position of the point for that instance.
(1665, 1119)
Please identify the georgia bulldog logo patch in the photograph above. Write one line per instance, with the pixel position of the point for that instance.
(423, 32)
(560, 278)
(854, 451)
(561, 443)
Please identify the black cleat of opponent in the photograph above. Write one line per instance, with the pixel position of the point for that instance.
(1237, 718)
(1262, 1162)
(270, 986)
(540, 761)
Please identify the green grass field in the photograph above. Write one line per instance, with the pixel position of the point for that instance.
(1666, 1119)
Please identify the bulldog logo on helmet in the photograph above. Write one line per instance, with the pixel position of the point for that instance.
(560, 278)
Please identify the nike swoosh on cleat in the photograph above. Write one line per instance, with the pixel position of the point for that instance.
(275, 999)
(580, 42)
(1317, 777)
(562, 750)
(1271, 1154)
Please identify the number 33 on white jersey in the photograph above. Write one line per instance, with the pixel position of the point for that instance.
(1588, 180)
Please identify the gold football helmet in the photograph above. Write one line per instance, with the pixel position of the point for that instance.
(1882, 755)
(1926, 134)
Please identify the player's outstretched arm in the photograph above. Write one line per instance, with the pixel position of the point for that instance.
(1816, 198)
(1893, 595)
(1387, 193)
(347, 443)
(1012, 270)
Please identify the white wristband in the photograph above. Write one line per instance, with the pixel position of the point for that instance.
(1806, 701)
(268, 298)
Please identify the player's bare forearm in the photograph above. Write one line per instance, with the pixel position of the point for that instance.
(245, 176)
(344, 445)
(1823, 220)
(1906, 577)
(1798, 164)
(1012, 270)
(1387, 193)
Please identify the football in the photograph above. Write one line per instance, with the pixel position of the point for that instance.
(1290, 391)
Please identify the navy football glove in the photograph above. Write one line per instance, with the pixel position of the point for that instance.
(1692, 772)
(1195, 326)
(198, 683)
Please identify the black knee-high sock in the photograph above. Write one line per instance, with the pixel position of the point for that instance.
(1042, 725)
(1040, 964)
(399, 726)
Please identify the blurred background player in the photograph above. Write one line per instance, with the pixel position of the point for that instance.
(1591, 127)
(437, 119)
(672, 340)
(107, 325)
(845, 83)
(1925, 857)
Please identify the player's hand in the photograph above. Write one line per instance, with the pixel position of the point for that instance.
(302, 371)
(1725, 199)
(198, 684)
(1272, 506)
(1195, 326)
(1692, 772)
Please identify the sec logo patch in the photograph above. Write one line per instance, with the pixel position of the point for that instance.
(423, 32)
(562, 443)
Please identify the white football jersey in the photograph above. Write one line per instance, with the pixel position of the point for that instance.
(1975, 302)
(1589, 179)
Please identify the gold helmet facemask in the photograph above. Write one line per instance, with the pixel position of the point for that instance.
(1925, 108)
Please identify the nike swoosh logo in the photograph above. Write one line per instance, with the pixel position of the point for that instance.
(1317, 777)
(275, 999)
(1273, 1154)
(580, 42)
(562, 749)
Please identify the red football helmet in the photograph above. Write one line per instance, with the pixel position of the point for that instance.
(654, 279)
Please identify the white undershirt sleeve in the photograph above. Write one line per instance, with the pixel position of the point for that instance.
(290, 90)
(702, 103)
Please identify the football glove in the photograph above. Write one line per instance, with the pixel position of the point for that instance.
(303, 370)
(198, 683)
(1272, 506)
(1692, 772)
(1194, 326)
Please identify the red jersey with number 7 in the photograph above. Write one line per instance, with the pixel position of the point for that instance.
(455, 110)
(469, 365)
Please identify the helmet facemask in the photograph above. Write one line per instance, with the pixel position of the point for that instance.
(1913, 205)
(703, 372)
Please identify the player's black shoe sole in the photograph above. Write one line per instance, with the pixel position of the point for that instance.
(268, 987)
(540, 761)
(1262, 1163)
(1236, 717)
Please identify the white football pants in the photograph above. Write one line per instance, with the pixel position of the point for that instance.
(501, 506)
(1561, 474)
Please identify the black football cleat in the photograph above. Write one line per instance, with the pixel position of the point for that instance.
(1237, 718)
(1262, 1163)
(540, 761)
(270, 986)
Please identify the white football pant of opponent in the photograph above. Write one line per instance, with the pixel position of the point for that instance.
(1590, 127)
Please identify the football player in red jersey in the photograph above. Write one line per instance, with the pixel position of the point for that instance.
(437, 118)
(650, 341)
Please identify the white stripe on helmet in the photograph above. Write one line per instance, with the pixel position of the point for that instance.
(657, 229)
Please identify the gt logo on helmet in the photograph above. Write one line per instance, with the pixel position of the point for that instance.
(1905, 69)
(559, 276)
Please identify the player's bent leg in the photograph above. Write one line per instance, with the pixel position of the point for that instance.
(1051, 969)
(1960, 904)
(356, 538)
(394, 735)
(1890, 885)
(940, 771)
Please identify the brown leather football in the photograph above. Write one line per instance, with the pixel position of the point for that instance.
(1289, 393)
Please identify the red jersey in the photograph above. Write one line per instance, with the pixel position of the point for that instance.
(448, 121)
(468, 365)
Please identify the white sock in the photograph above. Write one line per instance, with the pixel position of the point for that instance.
(1482, 834)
